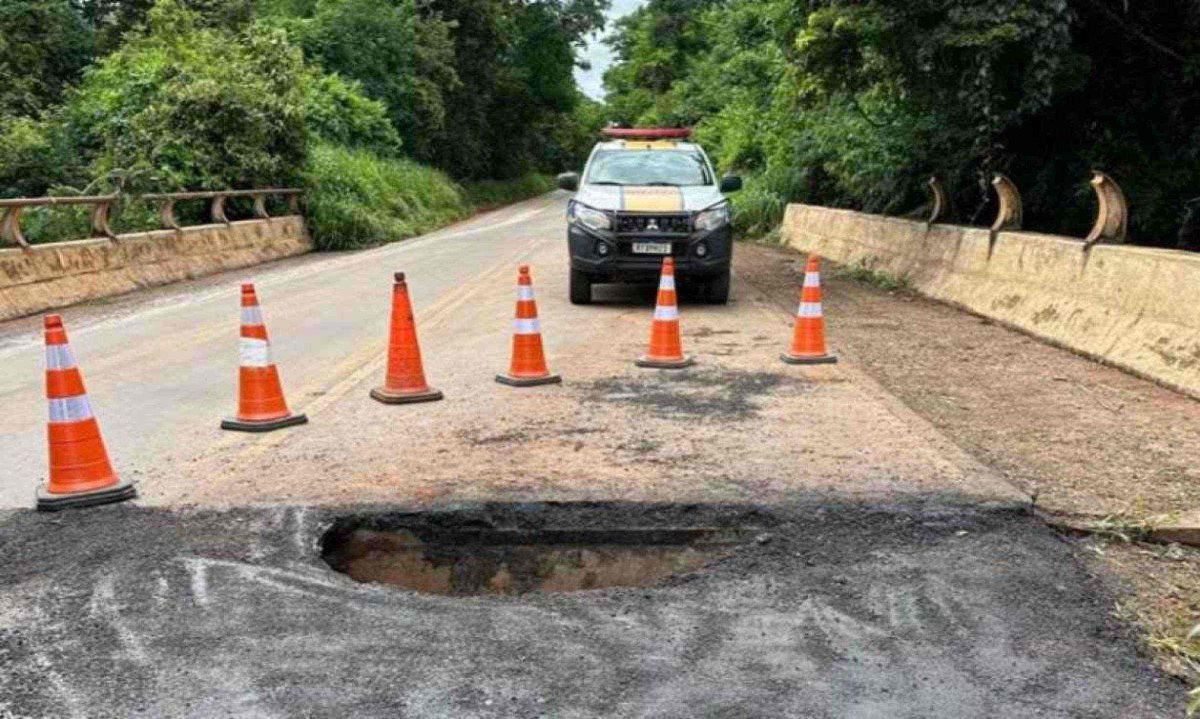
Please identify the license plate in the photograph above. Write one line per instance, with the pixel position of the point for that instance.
(652, 248)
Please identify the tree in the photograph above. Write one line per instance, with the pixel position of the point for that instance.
(112, 19)
(858, 103)
(44, 46)
(514, 60)
(184, 106)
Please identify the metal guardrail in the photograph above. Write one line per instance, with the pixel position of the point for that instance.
(10, 221)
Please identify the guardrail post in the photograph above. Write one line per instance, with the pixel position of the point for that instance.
(166, 214)
(1112, 214)
(100, 227)
(260, 207)
(10, 227)
(940, 201)
(1009, 214)
(218, 209)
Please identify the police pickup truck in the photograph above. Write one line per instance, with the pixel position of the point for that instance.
(646, 194)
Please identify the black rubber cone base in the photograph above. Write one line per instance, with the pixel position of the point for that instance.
(819, 359)
(381, 394)
(665, 364)
(528, 381)
(238, 425)
(50, 502)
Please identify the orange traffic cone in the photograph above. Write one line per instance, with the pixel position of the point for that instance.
(528, 366)
(808, 338)
(405, 381)
(80, 473)
(261, 406)
(666, 349)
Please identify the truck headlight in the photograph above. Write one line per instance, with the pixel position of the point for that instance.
(588, 217)
(713, 217)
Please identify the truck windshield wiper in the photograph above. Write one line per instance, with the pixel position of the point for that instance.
(607, 182)
(663, 184)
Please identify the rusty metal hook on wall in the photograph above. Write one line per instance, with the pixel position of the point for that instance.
(1011, 212)
(99, 220)
(940, 201)
(10, 227)
(1112, 213)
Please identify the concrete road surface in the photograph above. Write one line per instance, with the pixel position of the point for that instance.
(879, 571)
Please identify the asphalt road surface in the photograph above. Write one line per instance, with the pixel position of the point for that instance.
(831, 611)
(883, 572)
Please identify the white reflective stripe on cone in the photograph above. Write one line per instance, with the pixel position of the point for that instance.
(524, 292)
(526, 327)
(809, 309)
(254, 352)
(59, 357)
(669, 312)
(252, 315)
(667, 282)
(70, 409)
(812, 279)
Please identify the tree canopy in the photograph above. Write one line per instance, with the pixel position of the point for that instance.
(206, 93)
(857, 103)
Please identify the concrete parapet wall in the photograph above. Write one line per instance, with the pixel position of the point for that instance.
(1137, 308)
(64, 273)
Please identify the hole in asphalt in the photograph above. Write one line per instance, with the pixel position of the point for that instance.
(461, 556)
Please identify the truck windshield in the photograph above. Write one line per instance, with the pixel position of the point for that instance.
(648, 167)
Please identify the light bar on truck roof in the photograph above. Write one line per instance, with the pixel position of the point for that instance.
(647, 133)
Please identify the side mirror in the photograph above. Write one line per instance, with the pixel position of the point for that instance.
(568, 181)
(731, 183)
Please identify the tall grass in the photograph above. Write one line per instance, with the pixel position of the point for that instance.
(758, 208)
(493, 193)
(356, 198)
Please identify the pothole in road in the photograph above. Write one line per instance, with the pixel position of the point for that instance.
(471, 558)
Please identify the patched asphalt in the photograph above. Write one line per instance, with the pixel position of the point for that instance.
(930, 609)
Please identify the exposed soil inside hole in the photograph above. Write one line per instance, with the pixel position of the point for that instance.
(462, 556)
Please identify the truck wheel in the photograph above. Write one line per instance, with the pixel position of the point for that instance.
(716, 290)
(581, 288)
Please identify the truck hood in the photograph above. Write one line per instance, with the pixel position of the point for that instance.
(637, 198)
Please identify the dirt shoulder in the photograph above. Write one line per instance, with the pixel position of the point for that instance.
(1092, 444)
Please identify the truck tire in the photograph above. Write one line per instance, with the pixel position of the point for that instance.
(581, 288)
(716, 290)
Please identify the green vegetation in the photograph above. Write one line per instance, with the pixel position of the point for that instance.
(864, 271)
(821, 101)
(385, 109)
(857, 104)
(485, 194)
(357, 198)
(183, 106)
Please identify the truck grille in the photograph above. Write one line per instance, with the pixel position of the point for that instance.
(654, 224)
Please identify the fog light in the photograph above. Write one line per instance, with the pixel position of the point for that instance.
(602, 249)
(702, 249)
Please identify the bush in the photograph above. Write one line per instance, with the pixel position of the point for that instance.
(485, 194)
(336, 111)
(184, 106)
(35, 155)
(356, 198)
(758, 208)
